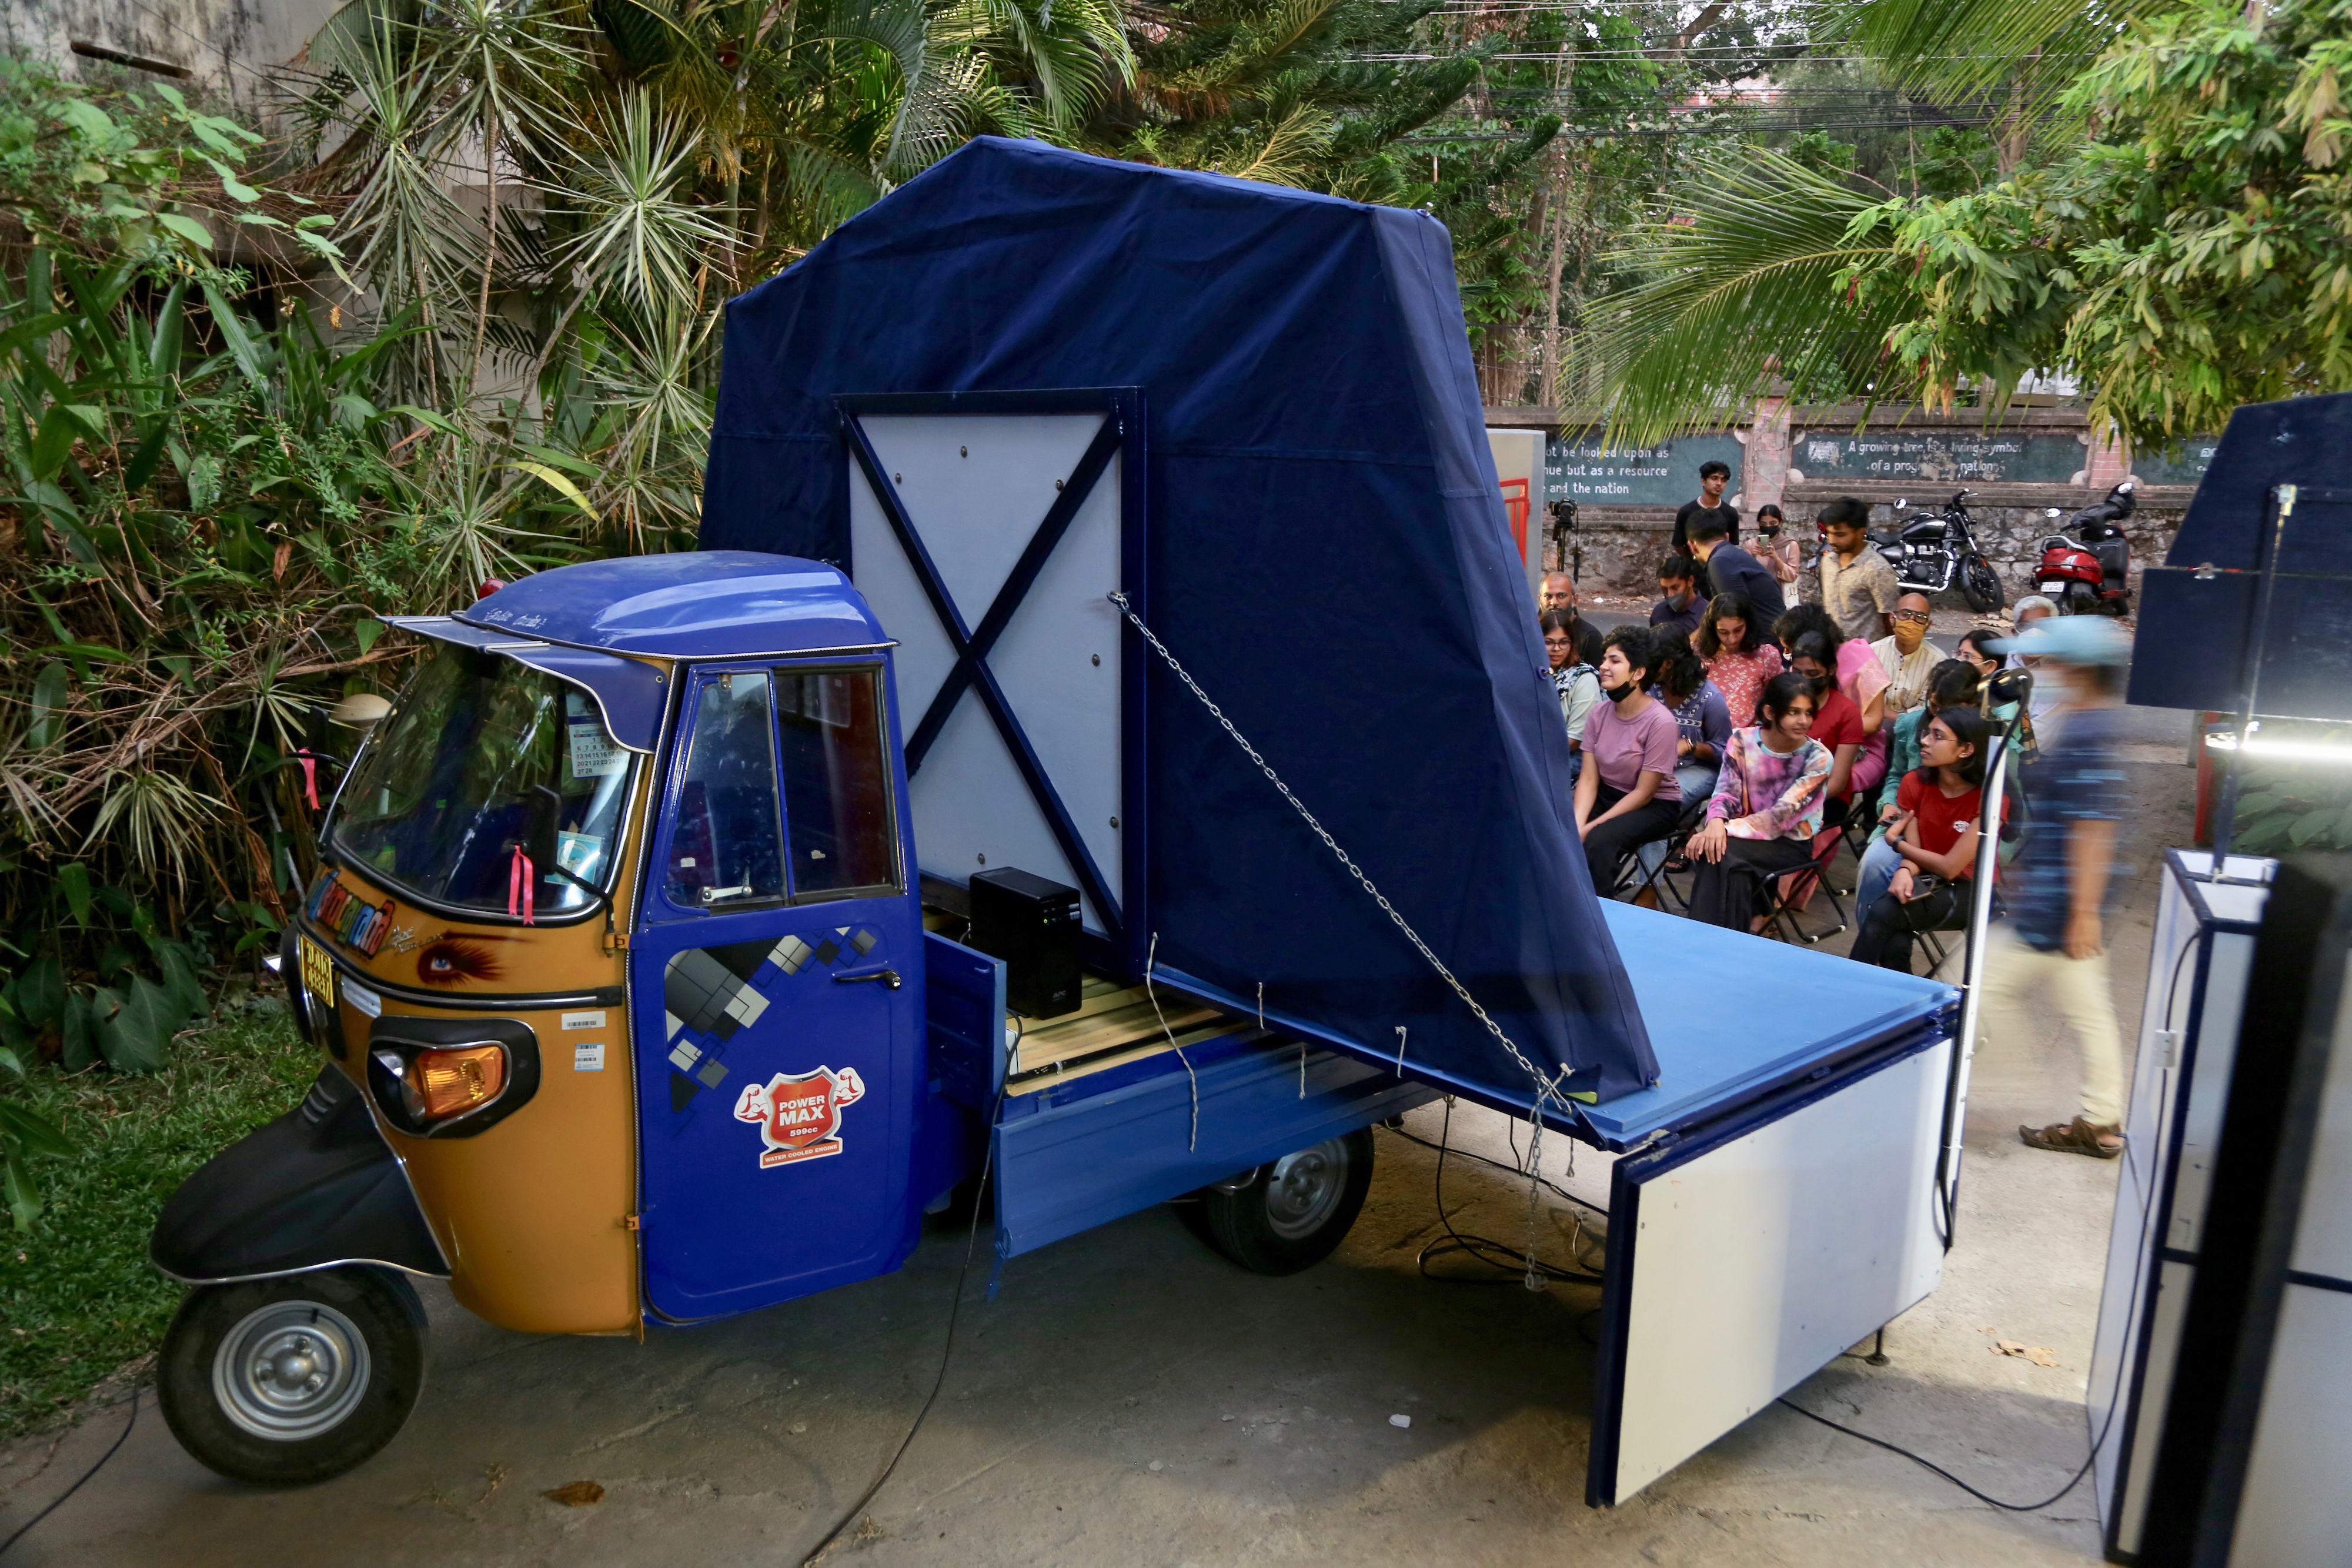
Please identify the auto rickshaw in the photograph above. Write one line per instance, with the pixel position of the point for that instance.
(618, 961)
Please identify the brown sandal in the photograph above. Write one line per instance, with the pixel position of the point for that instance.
(2075, 1137)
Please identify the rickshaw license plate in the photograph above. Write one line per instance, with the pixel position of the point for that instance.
(318, 970)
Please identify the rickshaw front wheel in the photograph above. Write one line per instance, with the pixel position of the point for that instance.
(293, 1380)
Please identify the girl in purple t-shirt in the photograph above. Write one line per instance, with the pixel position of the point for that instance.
(1627, 794)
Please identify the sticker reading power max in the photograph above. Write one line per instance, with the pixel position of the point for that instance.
(799, 1114)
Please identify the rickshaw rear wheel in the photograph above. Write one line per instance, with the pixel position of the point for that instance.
(1288, 1214)
(290, 1381)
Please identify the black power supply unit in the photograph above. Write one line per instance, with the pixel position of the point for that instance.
(1033, 926)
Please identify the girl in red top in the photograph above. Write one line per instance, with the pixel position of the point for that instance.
(1936, 834)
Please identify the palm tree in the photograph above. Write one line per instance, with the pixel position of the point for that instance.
(2167, 231)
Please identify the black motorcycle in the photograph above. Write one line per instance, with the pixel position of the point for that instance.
(1931, 551)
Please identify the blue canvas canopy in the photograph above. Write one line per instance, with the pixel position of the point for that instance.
(1326, 553)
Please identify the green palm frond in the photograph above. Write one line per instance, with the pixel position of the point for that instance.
(1744, 289)
(2020, 51)
(1287, 155)
(638, 234)
(159, 821)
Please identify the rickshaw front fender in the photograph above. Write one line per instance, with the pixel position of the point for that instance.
(315, 1188)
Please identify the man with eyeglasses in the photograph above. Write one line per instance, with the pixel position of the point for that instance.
(1906, 657)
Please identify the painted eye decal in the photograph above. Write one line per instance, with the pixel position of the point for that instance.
(454, 960)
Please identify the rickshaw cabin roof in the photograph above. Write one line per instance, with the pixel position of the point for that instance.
(703, 604)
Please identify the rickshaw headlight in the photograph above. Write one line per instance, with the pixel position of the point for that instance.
(450, 1077)
(439, 1084)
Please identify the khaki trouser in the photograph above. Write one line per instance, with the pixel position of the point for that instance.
(2024, 986)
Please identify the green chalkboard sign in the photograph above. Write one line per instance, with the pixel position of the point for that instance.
(1956, 457)
(1579, 470)
(2185, 467)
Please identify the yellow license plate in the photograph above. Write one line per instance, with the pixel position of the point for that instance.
(318, 971)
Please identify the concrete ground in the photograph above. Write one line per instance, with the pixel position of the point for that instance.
(1130, 1398)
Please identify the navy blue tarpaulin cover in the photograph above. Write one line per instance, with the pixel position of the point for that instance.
(2197, 611)
(1328, 554)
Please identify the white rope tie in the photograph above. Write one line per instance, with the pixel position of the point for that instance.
(1150, 962)
(1400, 1066)
(1545, 1088)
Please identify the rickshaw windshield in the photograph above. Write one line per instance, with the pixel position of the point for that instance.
(479, 749)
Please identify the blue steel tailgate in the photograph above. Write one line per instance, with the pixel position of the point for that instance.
(1076, 1155)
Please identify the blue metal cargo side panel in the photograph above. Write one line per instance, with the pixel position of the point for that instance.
(1069, 1160)
(964, 1009)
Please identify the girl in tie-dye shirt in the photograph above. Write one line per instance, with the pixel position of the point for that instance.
(1765, 808)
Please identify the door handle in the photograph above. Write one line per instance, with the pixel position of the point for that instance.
(887, 975)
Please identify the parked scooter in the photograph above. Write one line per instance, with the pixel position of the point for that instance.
(1931, 551)
(2086, 565)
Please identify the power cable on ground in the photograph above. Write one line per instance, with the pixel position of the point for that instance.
(57, 1502)
(1512, 1264)
(947, 1352)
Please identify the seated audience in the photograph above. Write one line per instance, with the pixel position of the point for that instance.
(1765, 808)
(1565, 640)
(1627, 794)
(1702, 718)
(1703, 725)
(1954, 686)
(1679, 609)
(1738, 653)
(2048, 695)
(1812, 643)
(1974, 648)
(1934, 833)
(1971, 647)
(1905, 655)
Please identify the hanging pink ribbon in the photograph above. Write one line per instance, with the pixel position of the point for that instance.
(520, 876)
(309, 777)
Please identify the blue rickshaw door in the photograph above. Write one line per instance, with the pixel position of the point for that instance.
(776, 1059)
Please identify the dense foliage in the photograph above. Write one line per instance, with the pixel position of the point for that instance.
(2174, 241)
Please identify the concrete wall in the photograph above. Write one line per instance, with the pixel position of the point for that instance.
(1620, 546)
(227, 46)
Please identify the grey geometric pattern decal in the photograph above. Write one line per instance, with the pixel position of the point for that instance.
(709, 993)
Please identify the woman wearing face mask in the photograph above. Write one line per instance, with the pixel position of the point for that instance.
(1627, 794)
(1934, 832)
(1739, 657)
(1765, 808)
(1837, 723)
(1782, 556)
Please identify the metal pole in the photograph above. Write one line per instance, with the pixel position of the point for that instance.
(2225, 814)
(1964, 1049)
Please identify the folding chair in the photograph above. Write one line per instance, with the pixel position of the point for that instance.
(1783, 889)
(1634, 877)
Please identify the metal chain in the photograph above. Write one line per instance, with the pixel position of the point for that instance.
(1546, 1088)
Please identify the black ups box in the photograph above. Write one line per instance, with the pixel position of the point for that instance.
(1033, 926)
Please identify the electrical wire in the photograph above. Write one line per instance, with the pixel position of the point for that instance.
(1513, 1264)
(947, 1352)
(2072, 1482)
(1513, 1170)
(55, 1502)
(2123, 1362)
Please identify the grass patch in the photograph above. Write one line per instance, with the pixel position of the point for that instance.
(77, 1296)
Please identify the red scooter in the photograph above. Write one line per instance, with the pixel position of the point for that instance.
(2088, 566)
